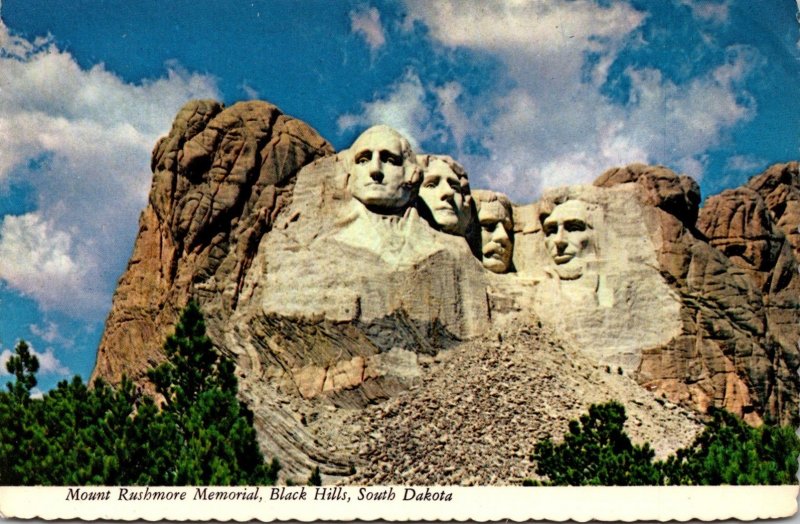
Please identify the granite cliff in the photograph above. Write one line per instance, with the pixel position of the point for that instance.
(385, 317)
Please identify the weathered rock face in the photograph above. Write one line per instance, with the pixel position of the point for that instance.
(219, 179)
(736, 281)
(779, 186)
(335, 291)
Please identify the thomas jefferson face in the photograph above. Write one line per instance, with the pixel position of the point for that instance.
(441, 192)
(495, 236)
(378, 174)
(568, 237)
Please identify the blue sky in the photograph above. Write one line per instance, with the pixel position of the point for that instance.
(526, 94)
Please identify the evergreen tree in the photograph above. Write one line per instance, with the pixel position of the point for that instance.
(216, 441)
(728, 451)
(75, 435)
(23, 365)
(316, 478)
(19, 433)
(596, 451)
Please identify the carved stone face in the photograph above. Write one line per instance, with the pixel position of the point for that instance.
(568, 237)
(378, 174)
(441, 192)
(496, 227)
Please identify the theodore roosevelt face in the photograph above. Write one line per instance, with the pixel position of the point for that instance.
(496, 227)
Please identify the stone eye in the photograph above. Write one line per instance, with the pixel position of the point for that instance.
(363, 158)
(391, 158)
(575, 225)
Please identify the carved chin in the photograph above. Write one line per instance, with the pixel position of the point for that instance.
(446, 218)
(495, 265)
(572, 270)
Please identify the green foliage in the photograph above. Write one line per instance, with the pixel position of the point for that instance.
(315, 479)
(75, 435)
(23, 365)
(596, 451)
(729, 451)
(216, 442)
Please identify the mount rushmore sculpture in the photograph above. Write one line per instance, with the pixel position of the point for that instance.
(337, 281)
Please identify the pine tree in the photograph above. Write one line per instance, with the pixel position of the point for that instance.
(19, 430)
(596, 451)
(216, 441)
(315, 479)
(75, 435)
(728, 451)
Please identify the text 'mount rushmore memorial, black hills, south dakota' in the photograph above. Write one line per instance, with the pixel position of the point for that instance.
(391, 324)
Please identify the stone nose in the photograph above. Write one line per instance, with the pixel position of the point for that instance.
(446, 192)
(560, 236)
(500, 233)
(376, 175)
(375, 166)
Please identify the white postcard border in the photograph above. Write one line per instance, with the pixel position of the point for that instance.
(409, 503)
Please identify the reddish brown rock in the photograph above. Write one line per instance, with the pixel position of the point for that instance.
(678, 195)
(779, 186)
(219, 179)
(736, 279)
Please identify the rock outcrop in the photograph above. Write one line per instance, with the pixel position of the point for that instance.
(736, 279)
(369, 334)
(220, 178)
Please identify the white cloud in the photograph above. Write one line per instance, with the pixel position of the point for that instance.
(50, 333)
(555, 126)
(249, 92)
(41, 261)
(455, 118)
(48, 363)
(404, 109)
(716, 12)
(745, 164)
(81, 140)
(367, 23)
(528, 30)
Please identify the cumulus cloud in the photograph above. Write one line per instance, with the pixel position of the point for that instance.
(50, 333)
(41, 261)
(367, 23)
(403, 108)
(49, 364)
(80, 139)
(556, 124)
(715, 12)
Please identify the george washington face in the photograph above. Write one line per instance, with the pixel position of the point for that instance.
(382, 172)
